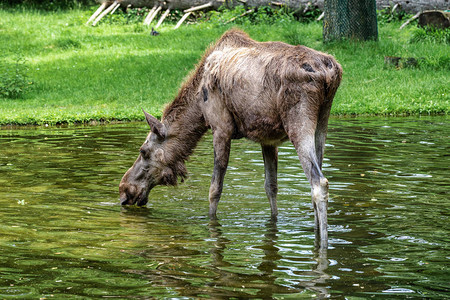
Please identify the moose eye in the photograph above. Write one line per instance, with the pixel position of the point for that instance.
(142, 151)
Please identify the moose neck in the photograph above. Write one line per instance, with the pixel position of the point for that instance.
(184, 120)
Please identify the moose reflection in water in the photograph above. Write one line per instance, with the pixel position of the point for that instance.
(267, 92)
(215, 274)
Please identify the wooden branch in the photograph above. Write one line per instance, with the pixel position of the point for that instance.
(149, 15)
(154, 15)
(392, 12)
(410, 20)
(105, 12)
(97, 12)
(182, 19)
(307, 7)
(241, 15)
(162, 18)
(395, 7)
(115, 8)
(198, 7)
(321, 16)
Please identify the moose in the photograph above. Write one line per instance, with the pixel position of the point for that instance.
(268, 92)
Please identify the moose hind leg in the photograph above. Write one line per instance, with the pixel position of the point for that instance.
(222, 145)
(270, 155)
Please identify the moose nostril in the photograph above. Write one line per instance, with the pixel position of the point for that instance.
(124, 201)
(124, 196)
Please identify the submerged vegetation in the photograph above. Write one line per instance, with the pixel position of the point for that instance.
(109, 72)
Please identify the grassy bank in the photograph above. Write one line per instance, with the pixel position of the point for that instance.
(77, 73)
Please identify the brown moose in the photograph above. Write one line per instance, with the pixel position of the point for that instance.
(268, 92)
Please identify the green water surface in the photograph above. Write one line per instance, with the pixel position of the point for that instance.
(63, 233)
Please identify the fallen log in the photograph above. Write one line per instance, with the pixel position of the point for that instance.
(215, 4)
(414, 6)
(409, 6)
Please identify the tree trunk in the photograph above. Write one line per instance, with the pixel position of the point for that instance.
(350, 19)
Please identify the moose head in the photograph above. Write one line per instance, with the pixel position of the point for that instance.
(152, 167)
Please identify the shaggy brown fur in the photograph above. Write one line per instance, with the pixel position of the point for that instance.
(184, 117)
(268, 92)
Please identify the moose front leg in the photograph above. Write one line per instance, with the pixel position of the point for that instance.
(303, 136)
(319, 190)
(222, 143)
(270, 155)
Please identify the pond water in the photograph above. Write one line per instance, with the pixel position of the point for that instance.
(64, 235)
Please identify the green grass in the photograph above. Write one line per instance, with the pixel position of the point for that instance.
(109, 72)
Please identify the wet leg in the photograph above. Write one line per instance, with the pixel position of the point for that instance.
(319, 187)
(302, 135)
(270, 155)
(320, 138)
(222, 143)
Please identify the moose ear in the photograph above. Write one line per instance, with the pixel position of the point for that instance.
(156, 126)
